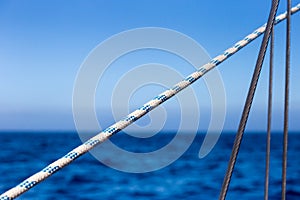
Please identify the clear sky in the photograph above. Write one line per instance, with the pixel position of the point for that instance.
(43, 44)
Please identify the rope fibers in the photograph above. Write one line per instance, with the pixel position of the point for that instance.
(107, 133)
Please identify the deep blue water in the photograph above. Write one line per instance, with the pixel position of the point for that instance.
(23, 154)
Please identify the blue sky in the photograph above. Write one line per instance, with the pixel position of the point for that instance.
(43, 44)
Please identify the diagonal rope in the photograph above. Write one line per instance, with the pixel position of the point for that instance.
(129, 119)
(268, 142)
(286, 101)
(249, 100)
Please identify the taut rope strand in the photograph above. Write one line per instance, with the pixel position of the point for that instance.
(268, 142)
(249, 100)
(286, 101)
(107, 133)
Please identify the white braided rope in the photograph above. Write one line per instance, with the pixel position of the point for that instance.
(107, 133)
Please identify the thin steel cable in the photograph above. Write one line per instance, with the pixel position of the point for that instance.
(268, 142)
(113, 129)
(286, 101)
(248, 103)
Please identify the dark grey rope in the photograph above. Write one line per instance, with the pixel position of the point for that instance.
(268, 142)
(286, 102)
(249, 100)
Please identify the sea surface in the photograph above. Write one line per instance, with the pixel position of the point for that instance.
(189, 177)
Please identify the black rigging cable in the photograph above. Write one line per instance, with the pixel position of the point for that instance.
(268, 142)
(286, 101)
(249, 100)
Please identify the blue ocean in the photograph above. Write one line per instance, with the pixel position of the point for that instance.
(189, 177)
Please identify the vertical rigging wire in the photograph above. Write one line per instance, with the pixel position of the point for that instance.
(268, 142)
(62, 162)
(248, 103)
(286, 102)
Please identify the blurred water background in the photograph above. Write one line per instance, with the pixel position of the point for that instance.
(22, 154)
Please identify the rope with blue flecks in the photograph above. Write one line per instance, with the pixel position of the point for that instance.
(129, 119)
